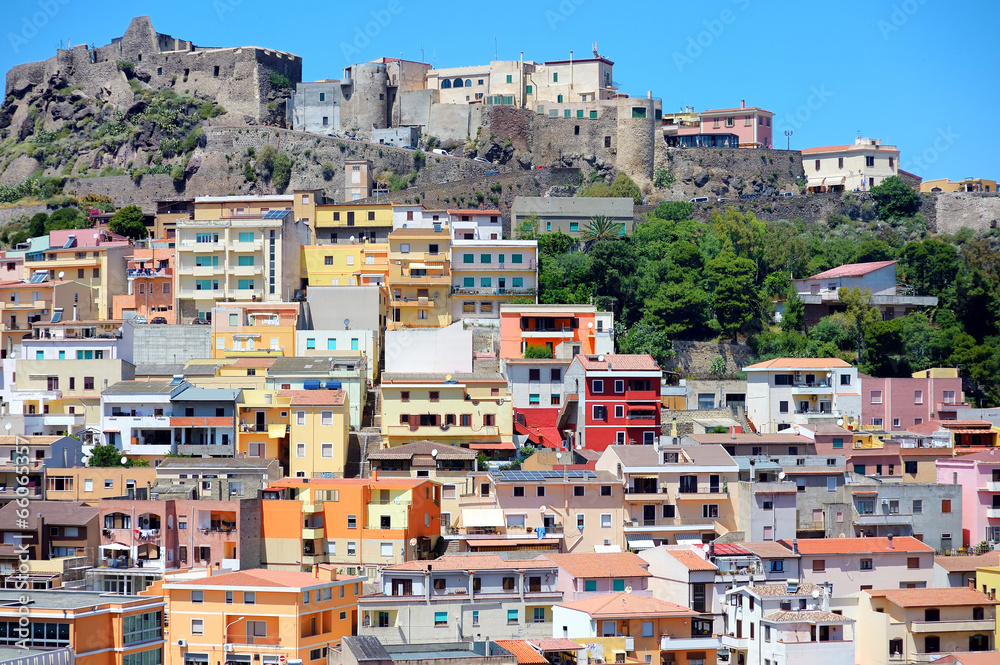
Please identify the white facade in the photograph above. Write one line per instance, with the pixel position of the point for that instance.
(438, 350)
(857, 167)
(536, 384)
(485, 273)
(787, 391)
(344, 342)
(410, 216)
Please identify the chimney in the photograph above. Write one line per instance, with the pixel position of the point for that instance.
(743, 103)
(890, 541)
(209, 571)
(795, 545)
(316, 570)
(972, 583)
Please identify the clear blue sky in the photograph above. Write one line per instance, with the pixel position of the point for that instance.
(921, 74)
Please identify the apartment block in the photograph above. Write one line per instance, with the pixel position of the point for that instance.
(855, 167)
(334, 370)
(850, 565)
(487, 273)
(254, 329)
(571, 215)
(798, 391)
(319, 423)
(419, 278)
(536, 391)
(57, 541)
(346, 264)
(39, 300)
(585, 575)
(563, 331)
(149, 292)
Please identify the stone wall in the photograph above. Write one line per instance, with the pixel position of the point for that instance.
(956, 210)
(694, 358)
(727, 172)
(7, 214)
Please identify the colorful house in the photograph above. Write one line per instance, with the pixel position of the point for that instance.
(150, 290)
(346, 264)
(563, 331)
(850, 565)
(978, 475)
(319, 423)
(254, 329)
(420, 278)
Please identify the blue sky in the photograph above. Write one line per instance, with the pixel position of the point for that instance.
(919, 74)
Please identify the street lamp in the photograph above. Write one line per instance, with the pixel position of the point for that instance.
(225, 633)
(788, 137)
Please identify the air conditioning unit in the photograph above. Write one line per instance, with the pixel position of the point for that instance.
(227, 647)
(182, 643)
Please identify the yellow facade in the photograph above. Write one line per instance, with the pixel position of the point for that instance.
(353, 264)
(471, 411)
(419, 278)
(242, 330)
(262, 430)
(69, 387)
(23, 302)
(210, 208)
(318, 432)
(262, 614)
(90, 484)
(988, 581)
(941, 185)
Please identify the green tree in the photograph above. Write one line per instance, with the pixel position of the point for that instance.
(36, 227)
(645, 338)
(528, 228)
(895, 199)
(128, 222)
(674, 211)
(930, 266)
(663, 178)
(679, 309)
(596, 190)
(601, 227)
(106, 455)
(65, 218)
(555, 243)
(282, 171)
(795, 313)
(624, 187)
(537, 352)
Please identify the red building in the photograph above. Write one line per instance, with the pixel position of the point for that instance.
(612, 399)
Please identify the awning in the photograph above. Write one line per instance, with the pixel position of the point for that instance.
(498, 445)
(149, 550)
(600, 549)
(640, 541)
(643, 407)
(513, 542)
(116, 547)
(482, 517)
(688, 540)
(276, 431)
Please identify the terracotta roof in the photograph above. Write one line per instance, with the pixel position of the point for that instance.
(936, 597)
(770, 550)
(622, 604)
(970, 658)
(983, 456)
(781, 590)
(730, 549)
(314, 397)
(259, 577)
(808, 616)
(748, 437)
(606, 564)
(852, 269)
(739, 108)
(524, 652)
(425, 447)
(473, 212)
(556, 644)
(691, 561)
(472, 562)
(799, 363)
(323, 483)
(901, 544)
(967, 564)
(254, 362)
(619, 362)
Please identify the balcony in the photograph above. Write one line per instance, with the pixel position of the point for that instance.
(700, 492)
(830, 651)
(490, 291)
(812, 389)
(29, 305)
(674, 643)
(993, 486)
(888, 519)
(243, 639)
(245, 271)
(244, 247)
(412, 302)
(992, 513)
(960, 626)
(55, 419)
(668, 524)
(202, 247)
(735, 643)
(35, 396)
(200, 294)
(148, 272)
(200, 271)
(312, 533)
(246, 294)
(565, 333)
(639, 494)
(951, 406)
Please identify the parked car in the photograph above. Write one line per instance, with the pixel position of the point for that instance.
(201, 322)
(543, 167)
(158, 320)
(788, 194)
(439, 151)
(722, 199)
(699, 199)
(748, 196)
(139, 319)
(493, 172)
(480, 159)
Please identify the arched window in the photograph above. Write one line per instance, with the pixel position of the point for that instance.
(445, 84)
(468, 83)
(459, 83)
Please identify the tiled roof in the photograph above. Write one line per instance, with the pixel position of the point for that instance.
(936, 597)
(983, 456)
(691, 561)
(619, 362)
(781, 590)
(524, 652)
(473, 212)
(260, 577)
(622, 604)
(808, 616)
(314, 397)
(425, 447)
(53, 513)
(606, 564)
(970, 658)
(556, 644)
(472, 562)
(852, 269)
(967, 564)
(254, 362)
(747, 437)
(770, 550)
(901, 544)
(799, 363)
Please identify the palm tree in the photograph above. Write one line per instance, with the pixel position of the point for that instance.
(601, 227)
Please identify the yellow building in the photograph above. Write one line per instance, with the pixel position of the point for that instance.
(254, 329)
(257, 615)
(352, 264)
(25, 303)
(988, 581)
(941, 185)
(342, 223)
(318, 432)
(468, 410)
(94, 257)
(90, 484)
(419, 278)
(262, 428)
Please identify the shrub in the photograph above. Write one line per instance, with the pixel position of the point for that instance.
(127, 67)
(328, 171)
(279, 81)
(282, 171)
(663, 178)
(177, 174)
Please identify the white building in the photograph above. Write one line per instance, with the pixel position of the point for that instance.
(350, 342)
(797, 391)
(853, 167)
(786, 623)
(486, 273)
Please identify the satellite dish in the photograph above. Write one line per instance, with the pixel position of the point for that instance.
(600, 358)
(347, 322)
(541, 508)
(61, 274)
(7, 426)
(840, 422)
(590, 325)
(124, 460)
(447, 377)
(398, 500)
(706, 547)
(781, 476)
(558, 455)
(628, 589)
(815, 593)
(434, 453)
(352, 238)
(413, 542)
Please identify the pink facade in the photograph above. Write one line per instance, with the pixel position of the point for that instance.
(899, 563)
(978, 475)
(897, 404)
(751, 124)
(587, 575)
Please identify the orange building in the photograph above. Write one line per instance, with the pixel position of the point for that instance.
(260, 616)
(254, 329)
(103, 629)
(261, 429)
(361, 524)
(565, 331)
(150, 292)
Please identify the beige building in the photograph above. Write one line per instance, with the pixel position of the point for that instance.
(419, 278)
(318, 432)
(849, 168)
(91, 484)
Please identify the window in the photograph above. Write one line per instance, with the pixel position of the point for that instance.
(845, 379)
(579, 490)
(590, 585)
(946, 506)
(352, 521)
(326, 418)
(534, 398)
(88, 383)
(866, 564)
(605, 490)
(352, 548)
(619, 410)
(819, 565)
(518, 491)
(511, 617)
(540, 490)
(554, 399)
(597, 386)
(777, 566)
(710, 510)
(574, 226)
(783, 406)
(599, 412)
(619, 386)
(197, 626)
(249, 597)
(918, 506)
(605, 520)
(475, 618)
(876, 397)
(440, 618)
(326, 450)
(538, 615)
(913, 562)
(197, 597)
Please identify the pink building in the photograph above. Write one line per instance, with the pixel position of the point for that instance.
(750, 125)
(978, 475)
(587, 575)
(896, 404)
(856, 564)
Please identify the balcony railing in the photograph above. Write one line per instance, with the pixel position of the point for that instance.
(491, 291)
(700, 489)
(244, 639)
(148, 272)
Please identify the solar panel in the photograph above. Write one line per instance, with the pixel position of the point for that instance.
(39, 277)
(523, 475)
(69, 243)
(275, 214)
(56, 316)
